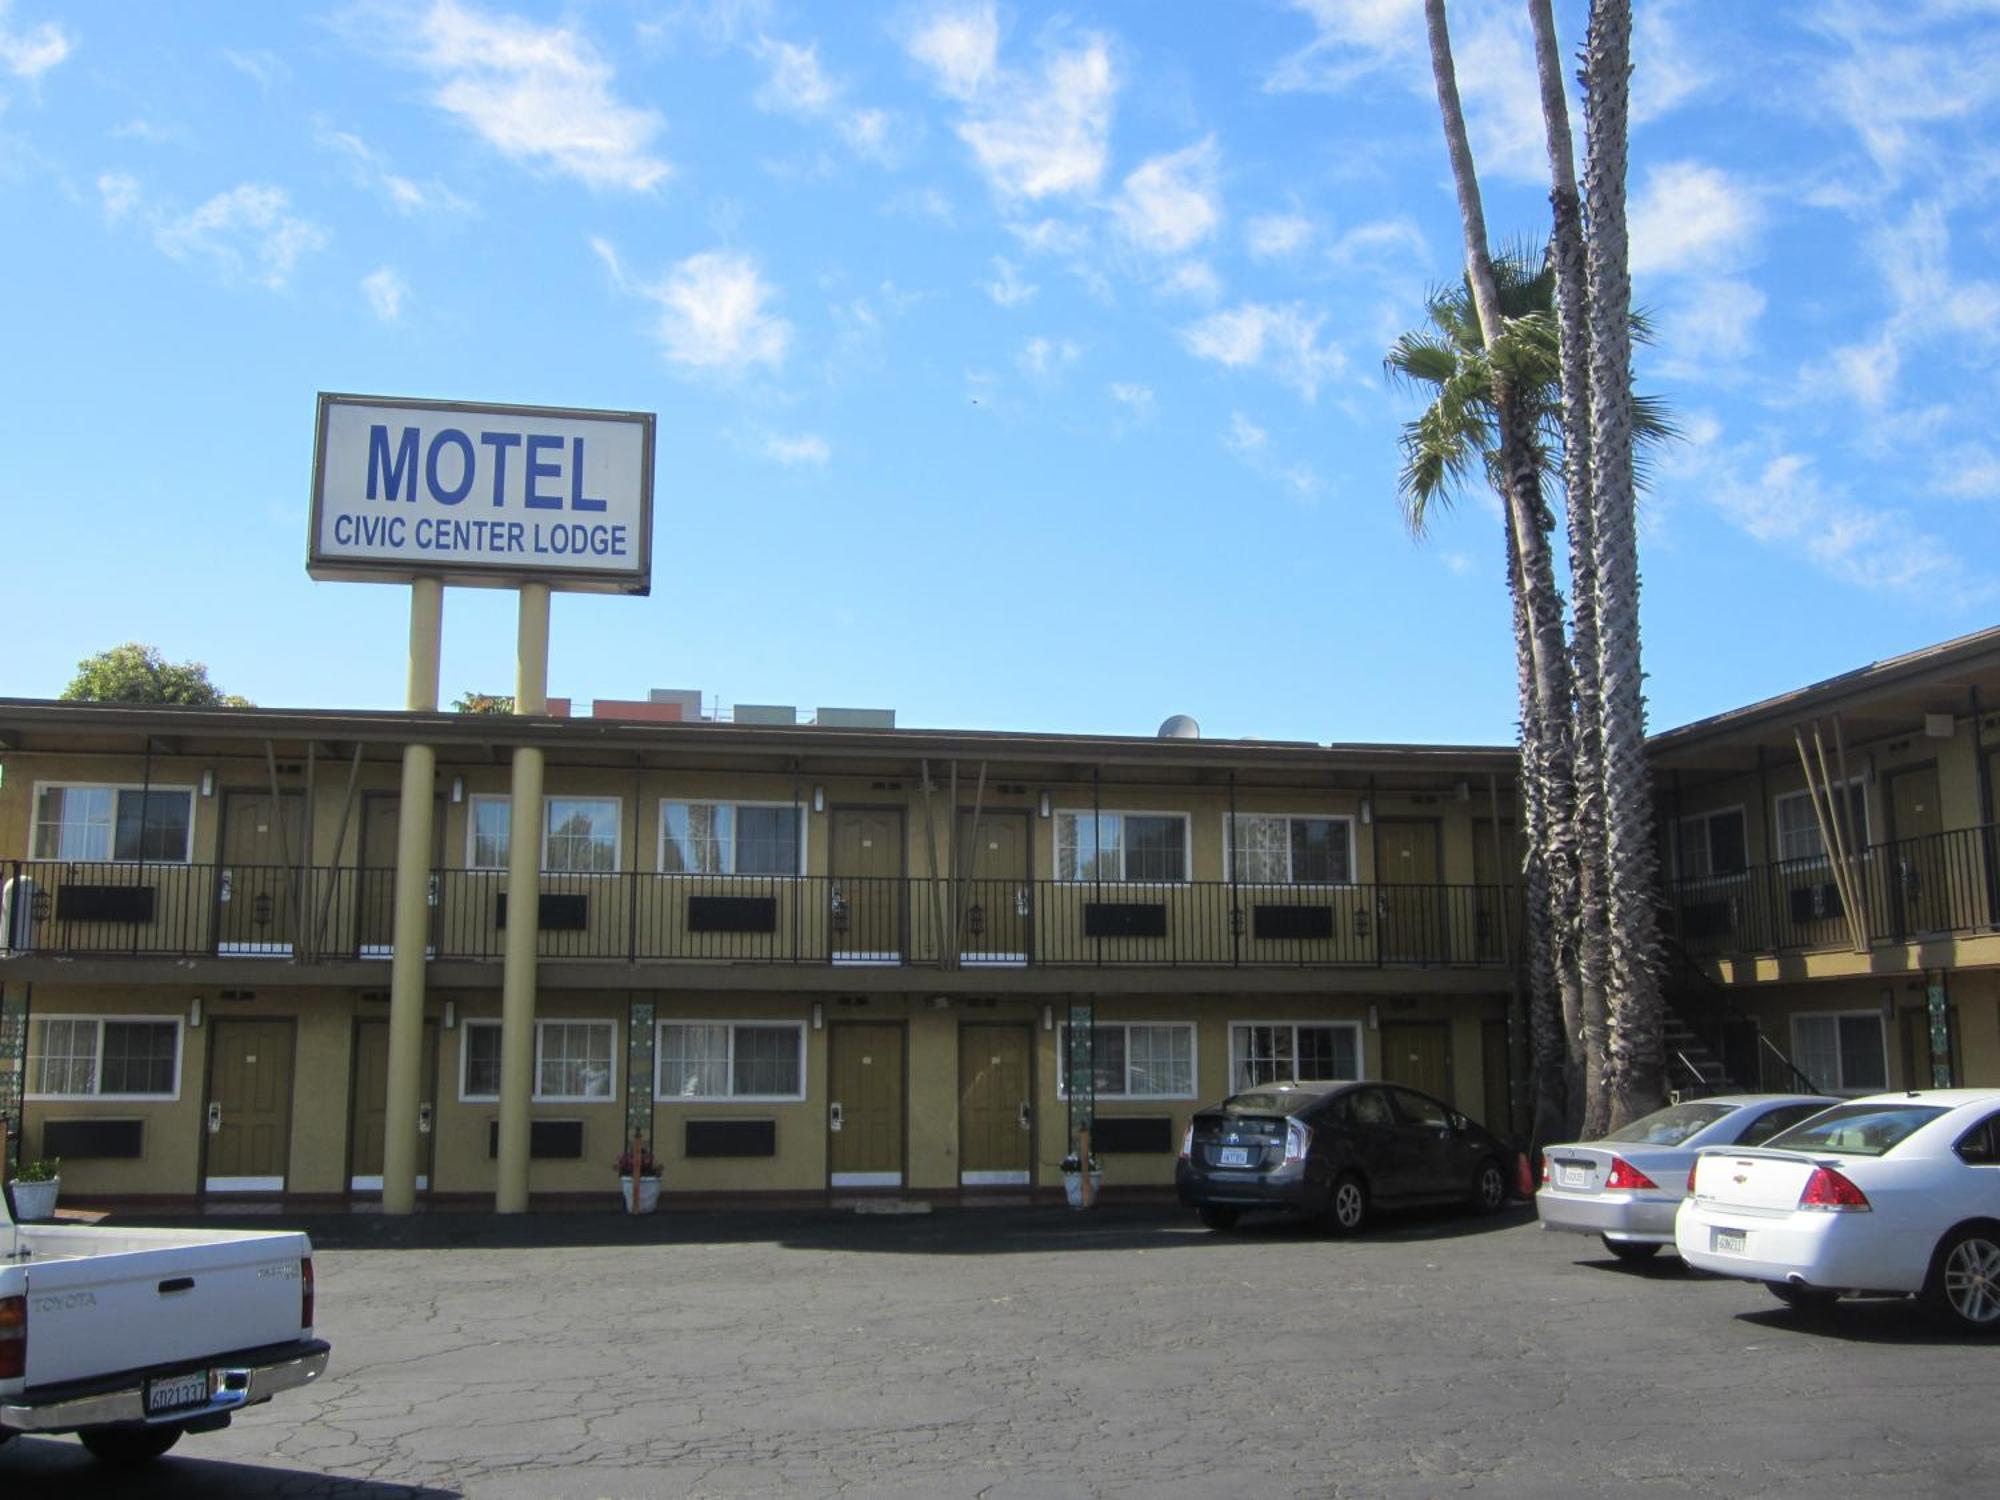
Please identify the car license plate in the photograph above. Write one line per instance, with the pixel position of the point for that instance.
(174, 1392)
(1730, 1242)
(1576, 1177)
(1233, 1156)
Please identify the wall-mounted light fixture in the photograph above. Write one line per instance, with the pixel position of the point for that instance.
(1048, 1018)
(1044, 804)
(1367, 809)
(458, 788)
(1374, 1019)
(208, 783)
(819, 799)
(819, 1016)
(194, 1013)
(1463, 791)
(450, 1014)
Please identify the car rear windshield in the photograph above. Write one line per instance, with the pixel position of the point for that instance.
(1857, 1129)
(1268, 1102)
(1671, 1126)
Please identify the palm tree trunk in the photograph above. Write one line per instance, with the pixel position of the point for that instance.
(1636, 1044)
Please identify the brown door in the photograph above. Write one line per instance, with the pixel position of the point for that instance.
(1406, 869)
(1919, 1058)
(866, 879)
(1418, 1053)
(1922, 876)
(258, 897)
(1496, 1075)
(994, 859)
(368, 1111)
(1496, 874)
(995, 1105)
(865, 1108)
(375, 880)
(249, 1106)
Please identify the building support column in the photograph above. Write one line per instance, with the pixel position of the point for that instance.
(411, 933)
(524, 859)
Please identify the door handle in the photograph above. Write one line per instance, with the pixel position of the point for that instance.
(833, 1116)
(228, 879)
(1027, 1119)
(215, 1117)
(423, 1119)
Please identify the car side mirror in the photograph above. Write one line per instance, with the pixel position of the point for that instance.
(1459, 1123)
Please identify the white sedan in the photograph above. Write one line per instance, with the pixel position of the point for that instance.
(1895, 1193)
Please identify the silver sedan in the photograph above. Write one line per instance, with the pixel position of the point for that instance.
(1627, 1187)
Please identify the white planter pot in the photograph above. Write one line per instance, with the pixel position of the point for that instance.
(35, 1200)
(649, 1194)
(1073, 1187)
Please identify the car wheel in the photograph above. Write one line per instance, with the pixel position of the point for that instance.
(1805, 1299)
(1632, 1251)
(1347, 1205)
(128, 1445)
(1964, 1286)
(1489, 1188)
(1220, 1218)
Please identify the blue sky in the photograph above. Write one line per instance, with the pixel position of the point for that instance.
(1015, 367)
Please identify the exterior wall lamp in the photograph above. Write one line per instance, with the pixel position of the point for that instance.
(458, 788)
(450, 1015)
(819, 1016)
(208, 783)
(819, 799)
(1043, 805)
(194, 1014)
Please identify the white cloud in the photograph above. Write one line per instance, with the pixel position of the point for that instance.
(30, 54)
(151, 132)
(1690, 216)
(1135, 398)
(713, 313)
(1277, 236)
(1458, 563)
(1396, 244)
(1283, 340)
(1051, 237)
(386, 292)
(795, 84)
(119, 193)
(1252, 444)
(538, 95)
(804, 448)
(372, 171)
(1044, 358)
(1007, 288)
(960, 47)
(1193, 278)
(1897, 87)
(1671, 71)
(249, 230)
(1969, 471)
(1244, 435)
(266, 69)
(1169, 202)
(1714, 323)
(1352, 37)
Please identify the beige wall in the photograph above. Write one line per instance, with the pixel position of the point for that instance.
(1974, 994)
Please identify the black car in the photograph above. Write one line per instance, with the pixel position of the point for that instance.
(1336, 1151)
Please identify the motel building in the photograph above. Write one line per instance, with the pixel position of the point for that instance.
(838, 957)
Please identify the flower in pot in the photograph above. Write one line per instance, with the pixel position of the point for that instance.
(639, 1173)
(1072, 1170)
(35, 1188)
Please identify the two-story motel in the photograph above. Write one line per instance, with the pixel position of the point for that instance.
(811, 959)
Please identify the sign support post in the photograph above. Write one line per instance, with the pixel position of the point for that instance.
(524, 899)
(414, 858)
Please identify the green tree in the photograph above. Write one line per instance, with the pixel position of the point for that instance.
(483, 703)
(133, 673)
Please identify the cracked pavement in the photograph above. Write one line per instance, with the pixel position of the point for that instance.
(1009, 1353)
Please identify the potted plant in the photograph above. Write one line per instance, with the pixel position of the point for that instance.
(643, 1173)
(35, 1188)
(1072, 1170)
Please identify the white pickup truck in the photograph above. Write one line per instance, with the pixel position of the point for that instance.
(131, 1337)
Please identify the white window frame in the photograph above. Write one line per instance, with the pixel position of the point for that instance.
(180, 1056)
(1289, 883)
(1194, 1058)
(1837, 1016)
(733, 1023)
(1187, 845)
(35, 807)
(467, 1025)
(1329, 1023)
(548, 802)
(1704, 818)
(660, 842)
(1825, 854)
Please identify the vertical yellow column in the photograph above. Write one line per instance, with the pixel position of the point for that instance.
(412, 909)
(524, 861)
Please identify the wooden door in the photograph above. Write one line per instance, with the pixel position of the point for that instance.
(249, 1118)
(1922, 878)
(368, 1111)
(375, 877)
(865, 867)
(1418, 1053)
(1919, 1057)
(1496, 1078)
(995, 1105)
(258, 894)
(993, 856)
(1496, 874)
(865, 1105)
(1406, 870)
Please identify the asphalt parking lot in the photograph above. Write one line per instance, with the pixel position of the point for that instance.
(1038, 1352)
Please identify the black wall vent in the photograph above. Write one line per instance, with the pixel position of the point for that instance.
(1292, 922)
(1133, 1135)
(94, 1140)
(558, 912)
(1123, 919)
(732, 914)
(732, 1138)
(104, 903)
(548, 1140)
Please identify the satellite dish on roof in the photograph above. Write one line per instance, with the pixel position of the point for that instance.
(1180, 727)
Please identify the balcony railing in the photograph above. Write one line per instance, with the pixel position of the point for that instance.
(1940, 885)
(163, 910)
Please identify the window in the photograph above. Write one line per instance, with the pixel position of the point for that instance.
(1269, 1053)
(1798, 827)
(722, 1060)
(1784, 1117)
(1121, 846)
(104, 1057)
(1269, 849)
(1858, 1129)
(579, 834)
(1713, 843)
(724, 838)
(1147, 1061)
(114, 822)
(575, 1061)
(1843, 1054)
(1420, 1109)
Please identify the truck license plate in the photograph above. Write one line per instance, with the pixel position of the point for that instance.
(1234, 1156)
(1730, 1242)
(173, 1392)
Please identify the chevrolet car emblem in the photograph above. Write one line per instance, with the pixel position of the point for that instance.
(1739, 1179)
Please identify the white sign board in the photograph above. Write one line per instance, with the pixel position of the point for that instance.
(484, 495)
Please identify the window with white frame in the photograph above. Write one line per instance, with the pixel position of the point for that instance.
(1713, 843)
(113, 822)
(1842, 1053)
(580, 835)
(1144, 1060)
(731, 1060)
(575, 1061)
(1282, 849)
(104, 1057)
(1311, 1052)
(1798, 825)
(1121, 846)
(731, 838)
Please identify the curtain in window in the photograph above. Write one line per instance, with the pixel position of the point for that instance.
(767, 1060)
(694, 1062)
(1260, 853)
